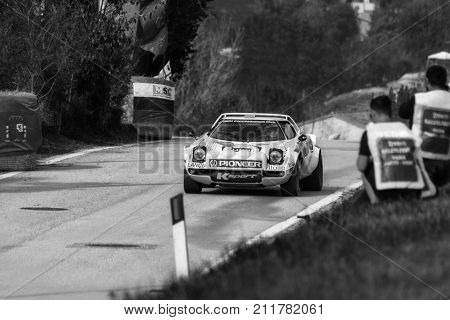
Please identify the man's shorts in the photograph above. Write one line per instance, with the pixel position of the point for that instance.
(438, 170)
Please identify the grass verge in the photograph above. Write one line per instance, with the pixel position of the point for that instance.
(395, 250)
(53, 144)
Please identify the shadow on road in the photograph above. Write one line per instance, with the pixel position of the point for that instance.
(266, 192)
(57, 186)
(67, 166)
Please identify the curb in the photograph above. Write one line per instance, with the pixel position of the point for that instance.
(299, 220)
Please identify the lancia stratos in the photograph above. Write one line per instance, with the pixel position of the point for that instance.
(247, 150)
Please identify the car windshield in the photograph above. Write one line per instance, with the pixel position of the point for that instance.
(248, 131)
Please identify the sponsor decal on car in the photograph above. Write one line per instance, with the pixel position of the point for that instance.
(272, 167)
(249, 148)
(197, 165)
(213, 163)
(235, 164)
(241, 149)
(250, 121)
(237, 177)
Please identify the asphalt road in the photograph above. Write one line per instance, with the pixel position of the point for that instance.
(101, 222)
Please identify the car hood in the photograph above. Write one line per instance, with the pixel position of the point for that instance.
(220, 149)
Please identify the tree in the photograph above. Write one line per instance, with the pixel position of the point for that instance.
(75, 57)
(292, 47)
(183, 19)
(207, 86)
(409, 52)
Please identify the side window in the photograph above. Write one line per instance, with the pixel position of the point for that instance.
(289, 130)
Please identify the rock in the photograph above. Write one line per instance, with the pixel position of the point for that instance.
(334, 136)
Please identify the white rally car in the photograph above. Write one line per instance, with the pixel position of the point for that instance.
(254, 151)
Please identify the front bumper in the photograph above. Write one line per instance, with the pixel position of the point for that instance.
(266, 178)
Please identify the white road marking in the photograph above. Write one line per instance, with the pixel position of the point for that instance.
(56, 159)
(336, 198)
(9, 175)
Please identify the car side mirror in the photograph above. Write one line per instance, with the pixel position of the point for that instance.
(192, 135)
(303, 137)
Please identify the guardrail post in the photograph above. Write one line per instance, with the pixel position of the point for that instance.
(179, 237)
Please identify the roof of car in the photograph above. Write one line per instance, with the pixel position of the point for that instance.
(254, 116)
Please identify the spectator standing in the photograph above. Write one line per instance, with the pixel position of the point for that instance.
(429, 115)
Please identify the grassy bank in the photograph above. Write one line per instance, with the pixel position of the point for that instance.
(57, 144)
(395, 250)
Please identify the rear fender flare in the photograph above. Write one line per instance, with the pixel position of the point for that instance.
(313, 138)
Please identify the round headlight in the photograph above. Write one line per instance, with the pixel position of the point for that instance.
(276, 156)
(199, 154)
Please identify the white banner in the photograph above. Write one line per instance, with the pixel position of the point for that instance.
(153, 90)
(220, 309)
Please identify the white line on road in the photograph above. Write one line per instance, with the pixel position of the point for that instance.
(60, 158)
(336, 198)
(56, 159)
(9, 175)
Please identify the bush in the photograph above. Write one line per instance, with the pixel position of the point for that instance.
(76, 58)
(207, 87)
(409, 52)
(290, 48)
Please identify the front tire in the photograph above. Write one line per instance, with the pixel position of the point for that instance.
(314, 182)
(191, 186)
(292, 187)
